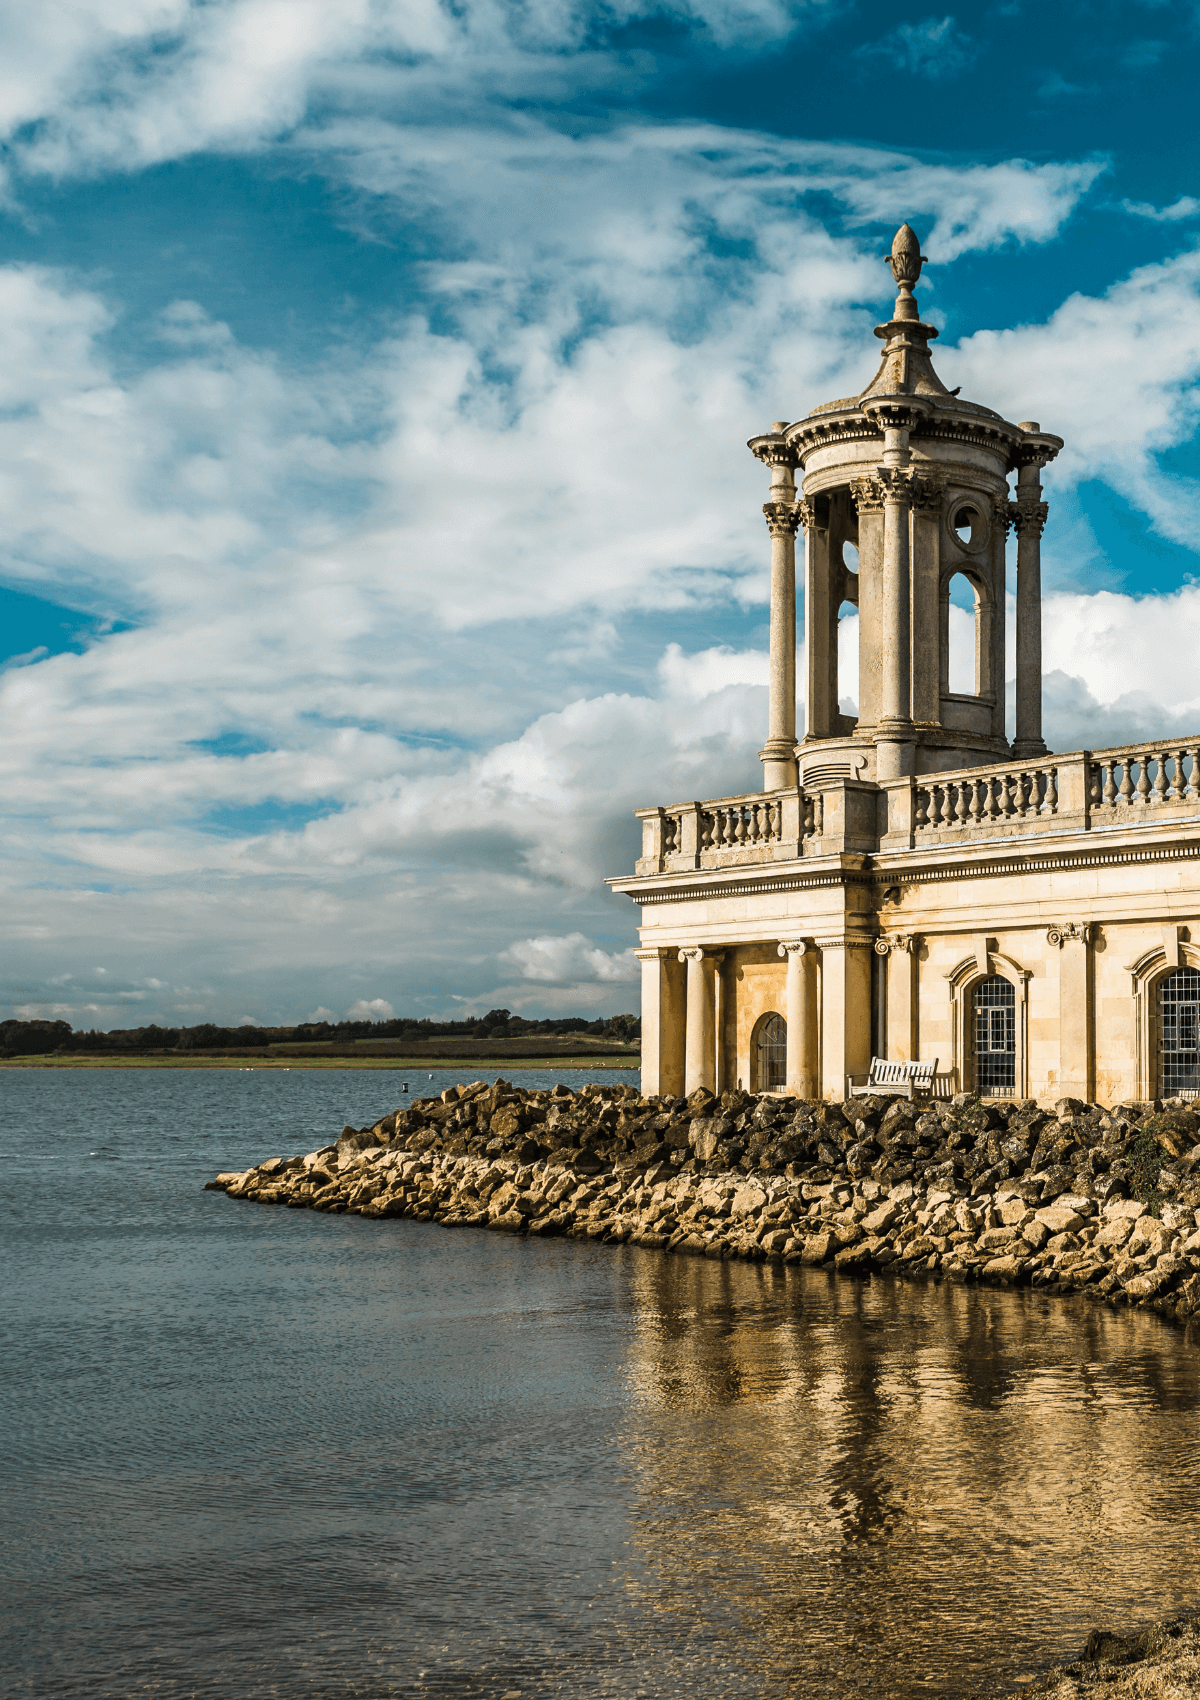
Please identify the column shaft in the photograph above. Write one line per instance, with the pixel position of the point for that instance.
(779, 754)
(700, 1037)
(1029, 516)
(895, 719)
(895, 704)
(799, 1021)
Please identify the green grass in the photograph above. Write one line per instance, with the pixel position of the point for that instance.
(481, 1067)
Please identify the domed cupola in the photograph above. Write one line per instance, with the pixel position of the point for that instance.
(903, 487)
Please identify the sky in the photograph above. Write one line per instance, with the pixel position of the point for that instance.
(377, 530)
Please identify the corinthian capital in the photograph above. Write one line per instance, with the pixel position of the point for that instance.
(807, 514)
(928, 492)
(867, 494)
(1028, 516)
(782, 518)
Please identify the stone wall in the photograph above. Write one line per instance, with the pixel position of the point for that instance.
(1078, 1198)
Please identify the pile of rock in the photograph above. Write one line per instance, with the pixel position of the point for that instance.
(1073, 1198)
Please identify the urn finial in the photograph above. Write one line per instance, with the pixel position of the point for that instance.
(906, 260)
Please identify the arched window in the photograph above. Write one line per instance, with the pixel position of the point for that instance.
(1179, 1032)
(771, 1069)
(962, 625)
(995, 1007)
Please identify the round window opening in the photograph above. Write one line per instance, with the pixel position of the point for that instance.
(968, 526)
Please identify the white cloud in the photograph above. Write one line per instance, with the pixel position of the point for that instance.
(570, 958)
(1187, 206)
(405, 578)
(934, 48)
(370, 1009)
(1117, 376)
(130, 83)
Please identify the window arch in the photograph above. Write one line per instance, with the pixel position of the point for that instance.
(994, 1034)
(770, 1053)
(1179, 1032)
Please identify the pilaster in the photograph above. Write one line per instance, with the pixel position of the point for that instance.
(662, 1022)
(1076, 1061)
(845, 1009)
(900, 950)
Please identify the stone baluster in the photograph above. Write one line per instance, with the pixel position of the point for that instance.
(1143, 780)
(1160, 776)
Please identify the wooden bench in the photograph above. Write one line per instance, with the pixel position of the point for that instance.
(893, 1079)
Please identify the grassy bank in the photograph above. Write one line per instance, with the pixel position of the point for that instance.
(469, 1067)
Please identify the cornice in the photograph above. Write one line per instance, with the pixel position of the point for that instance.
(1044, 862)
(743, 887)
(896, 871)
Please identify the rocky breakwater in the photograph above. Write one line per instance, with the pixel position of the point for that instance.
(1069, 1198)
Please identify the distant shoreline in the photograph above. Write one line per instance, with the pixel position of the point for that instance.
(431, 1065)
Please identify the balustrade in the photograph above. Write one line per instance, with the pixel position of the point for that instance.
(1144, 778)
(984, 798)
(756, 822)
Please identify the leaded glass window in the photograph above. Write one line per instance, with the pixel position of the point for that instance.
(772, 1053)
(995, 1037)
(1179, 1032)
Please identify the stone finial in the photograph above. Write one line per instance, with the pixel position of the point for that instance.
(906, 260)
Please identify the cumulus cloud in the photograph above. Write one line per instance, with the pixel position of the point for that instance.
(570, 959)
(1116, 375)
(398, 661)
(370, 1009)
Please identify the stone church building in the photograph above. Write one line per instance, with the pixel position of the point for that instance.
(909, 884)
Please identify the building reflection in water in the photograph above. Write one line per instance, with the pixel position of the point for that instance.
(840, 1486)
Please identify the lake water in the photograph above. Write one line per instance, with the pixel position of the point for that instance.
(256, 1451)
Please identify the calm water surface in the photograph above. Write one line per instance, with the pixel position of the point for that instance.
(256, 1452)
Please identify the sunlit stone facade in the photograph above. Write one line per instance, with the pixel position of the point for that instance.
(909, 883)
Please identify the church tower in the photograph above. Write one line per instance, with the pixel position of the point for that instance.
(909, 885)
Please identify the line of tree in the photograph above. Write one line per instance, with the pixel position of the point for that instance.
(37, 1038)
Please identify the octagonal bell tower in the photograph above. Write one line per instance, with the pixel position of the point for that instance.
(915, 479)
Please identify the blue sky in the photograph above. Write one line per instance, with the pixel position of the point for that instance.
(376, 527)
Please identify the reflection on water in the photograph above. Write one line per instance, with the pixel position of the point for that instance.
(256, 1452)
(878, 1488)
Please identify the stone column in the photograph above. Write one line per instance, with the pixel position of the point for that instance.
(662, 1021)
(894, 732)
(799, 1037)
(700, 1049)
(1028, 516)
(782, 515)
(820, 626)
(1075, 1048)
(929, 498)
(867, 496)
